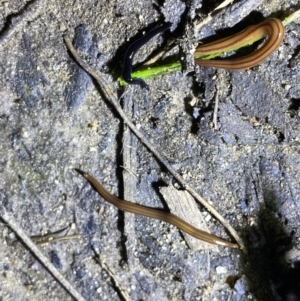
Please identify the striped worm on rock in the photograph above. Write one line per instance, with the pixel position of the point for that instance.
(272, 28)
(156, 213)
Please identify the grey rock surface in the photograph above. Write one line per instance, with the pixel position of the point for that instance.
(54, 119)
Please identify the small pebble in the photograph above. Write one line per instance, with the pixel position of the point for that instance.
(240, 286)
(221, 270)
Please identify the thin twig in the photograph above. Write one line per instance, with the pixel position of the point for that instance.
(223, 4)
(130, 142)
(129, 171)
(114, 100)
(59, 239)
(240, 10)
(216, 108)
(8, 218)
(209, 17)
(113, 276)
(153, 60)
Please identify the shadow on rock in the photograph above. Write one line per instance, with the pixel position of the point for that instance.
(270, 276)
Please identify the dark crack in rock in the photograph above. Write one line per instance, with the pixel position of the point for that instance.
(29, 81)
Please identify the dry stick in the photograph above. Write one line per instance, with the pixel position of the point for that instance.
(8, 218)
(243, 7)
(152, 60)
(130, 182)
(123, 292)
(51, 240)
(215, 115)
(113, 99)
(209, 17)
